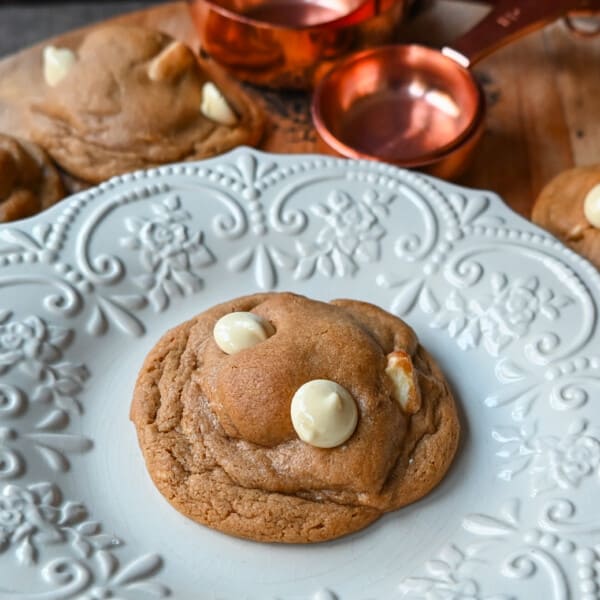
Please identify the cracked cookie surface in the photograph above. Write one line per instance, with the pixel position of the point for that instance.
(560, 210)
(29, 182)
(116, 111)
(217, 437)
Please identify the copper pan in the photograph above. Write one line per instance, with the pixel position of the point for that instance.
(417, 107)
(289, 43)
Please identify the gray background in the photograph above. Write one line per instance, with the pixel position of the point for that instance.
(25, 23)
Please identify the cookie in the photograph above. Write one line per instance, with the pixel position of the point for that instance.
(130, 98)
(227, 436)
(560, 209)
(29, 182)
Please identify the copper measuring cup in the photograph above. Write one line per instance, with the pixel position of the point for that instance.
(286, 43)
(418, 107)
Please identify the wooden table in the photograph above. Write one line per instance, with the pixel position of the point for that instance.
(543, 94)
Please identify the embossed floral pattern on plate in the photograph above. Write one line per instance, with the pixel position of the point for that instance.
(512, 316)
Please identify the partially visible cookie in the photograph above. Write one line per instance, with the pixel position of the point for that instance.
(282, 419)
(130, 98)
(29, 182)
(560, 210)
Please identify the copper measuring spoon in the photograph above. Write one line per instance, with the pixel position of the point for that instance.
(418, 107)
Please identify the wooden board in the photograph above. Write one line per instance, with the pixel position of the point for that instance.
(543, 94)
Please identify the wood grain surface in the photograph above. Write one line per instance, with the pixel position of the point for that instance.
(543, 97)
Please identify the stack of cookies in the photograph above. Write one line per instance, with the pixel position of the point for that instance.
(29, 182)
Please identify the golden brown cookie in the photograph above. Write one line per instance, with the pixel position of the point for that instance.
(29, 183)
(559, 210)
(132, 99)
(218, 440)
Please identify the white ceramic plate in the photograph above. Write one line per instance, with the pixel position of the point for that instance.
(511, 315)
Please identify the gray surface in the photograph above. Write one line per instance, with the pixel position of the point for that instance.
(22, 24)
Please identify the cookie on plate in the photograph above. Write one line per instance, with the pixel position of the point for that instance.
(282, 419)
(130, 98)
(29, 182)
(569, 208)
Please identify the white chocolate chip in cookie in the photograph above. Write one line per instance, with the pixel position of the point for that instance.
(57, 64)
(240, 330)
(591, 206)
(215, 107)
(171, 62)
(324, 414)
(405, 388)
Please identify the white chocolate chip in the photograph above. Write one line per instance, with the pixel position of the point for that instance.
(57, 64)
(215, 107)
(240, 330)
(324, 414)
(171, 62)
(405, 389)
(591, 206)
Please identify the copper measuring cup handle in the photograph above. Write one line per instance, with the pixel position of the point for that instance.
(507, 21)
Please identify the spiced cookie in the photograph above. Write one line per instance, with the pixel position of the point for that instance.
(131, 98)
(282, 419)
(569, 208)
(29, 183)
